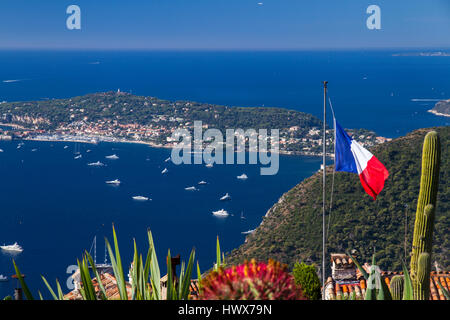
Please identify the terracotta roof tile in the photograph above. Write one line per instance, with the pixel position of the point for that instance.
(338, 288)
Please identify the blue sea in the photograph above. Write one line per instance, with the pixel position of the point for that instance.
(53, 205)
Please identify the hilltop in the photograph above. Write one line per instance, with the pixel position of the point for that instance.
(292, 229)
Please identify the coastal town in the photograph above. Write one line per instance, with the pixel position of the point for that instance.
(156, 121)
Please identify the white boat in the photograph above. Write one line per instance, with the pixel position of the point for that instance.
(167, 160)
(33, 150)
(78, 156)
(221, 213)
(248, 232)
(65, 147)
(96, 164)
(209, 165)
(202, 182)
(88, 150)
(140, 198)
(191, 188)
(3, 278)
(12, 247)
(115, 182)
(164, 171)
(112, 157)
(242, 215)
(225, 197)
(1, 150)
(242, 177)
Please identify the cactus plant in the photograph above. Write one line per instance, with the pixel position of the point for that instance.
(396, 288)
(251, 281)
(424, 222)
(423, 277)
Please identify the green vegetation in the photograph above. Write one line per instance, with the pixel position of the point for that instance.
(118, 115)
(307, 278)
(249, 281)
(396, 287)
(291, 231)
(126, 108)
(425, 215)
(145, 277)
(416, 286)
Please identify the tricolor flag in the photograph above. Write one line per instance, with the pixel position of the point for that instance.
(350, 156)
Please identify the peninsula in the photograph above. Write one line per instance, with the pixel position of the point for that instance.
(117, 116)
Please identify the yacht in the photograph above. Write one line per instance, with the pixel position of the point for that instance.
(242, 215)
(1, 150)
(96, 164)
(140, 198)
(12, 248)
(112, 157)
(248, 232)
(242, 176)
(167, 160)
(33, 150)
(65, 147)
(190, 188)
(202, 182)
(221, 213)
(3, 278)
(78, 156)
(225, 197)
(209, 165)
(164, 171)
(115, 182)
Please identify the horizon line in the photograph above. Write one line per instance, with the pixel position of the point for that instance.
(412, 48)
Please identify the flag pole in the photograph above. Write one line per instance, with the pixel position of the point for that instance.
(325, 86)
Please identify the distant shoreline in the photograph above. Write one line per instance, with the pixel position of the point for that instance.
(438, 113)
(287, 153)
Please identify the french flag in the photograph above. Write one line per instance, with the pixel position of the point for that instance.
(350, 156)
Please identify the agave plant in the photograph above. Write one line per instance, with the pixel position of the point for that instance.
(377, 289)
(144, 275)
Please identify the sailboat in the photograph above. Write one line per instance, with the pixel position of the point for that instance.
(242, 215)
(101, 267)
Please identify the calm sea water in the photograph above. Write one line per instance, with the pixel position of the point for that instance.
(370, 89)
(54, 205)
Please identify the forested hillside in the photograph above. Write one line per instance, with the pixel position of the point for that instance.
(292, 229)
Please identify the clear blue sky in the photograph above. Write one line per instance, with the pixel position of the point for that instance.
(224, 24)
